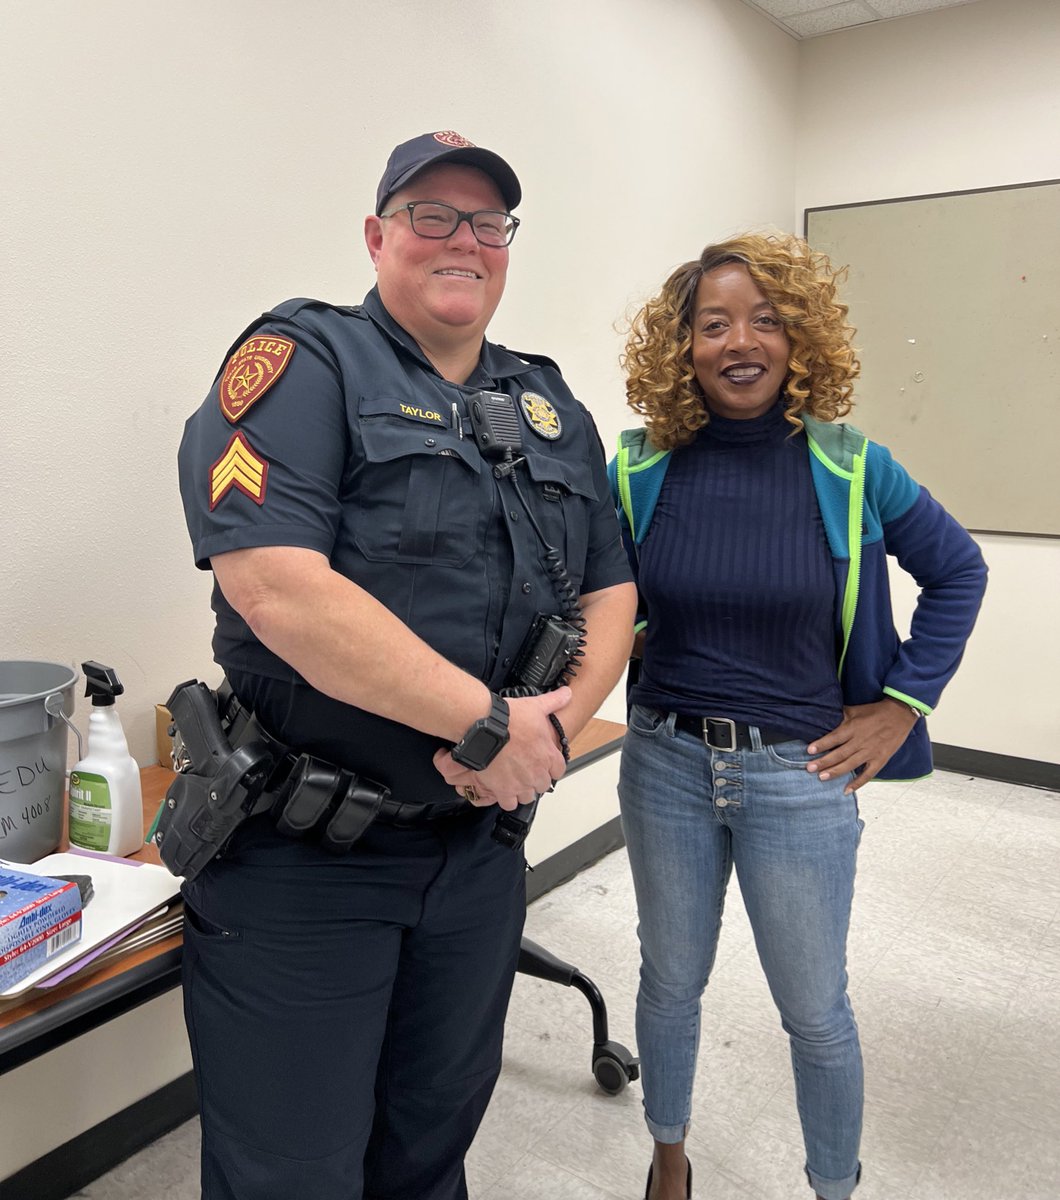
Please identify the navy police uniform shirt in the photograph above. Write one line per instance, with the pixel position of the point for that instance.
(328, 429)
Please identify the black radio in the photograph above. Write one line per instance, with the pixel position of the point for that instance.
(551, 647)
(495, 424)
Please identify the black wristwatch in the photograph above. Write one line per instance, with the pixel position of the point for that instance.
(486, 738)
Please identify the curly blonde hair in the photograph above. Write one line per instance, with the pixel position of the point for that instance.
(798, 282)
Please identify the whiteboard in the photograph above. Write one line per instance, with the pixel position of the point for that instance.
(956, 301)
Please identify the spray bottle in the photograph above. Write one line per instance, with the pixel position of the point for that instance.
(106, 804)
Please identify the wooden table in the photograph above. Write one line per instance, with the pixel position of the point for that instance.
(49, 1017)
(56, 1015)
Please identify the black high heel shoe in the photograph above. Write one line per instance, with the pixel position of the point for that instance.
(688, 1182)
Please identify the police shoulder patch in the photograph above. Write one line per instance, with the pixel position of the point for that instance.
(541, 415)
(251, 371)
(240, 467)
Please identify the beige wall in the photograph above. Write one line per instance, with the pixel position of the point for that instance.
(964, 98)
(52, 1100)
(179, 169)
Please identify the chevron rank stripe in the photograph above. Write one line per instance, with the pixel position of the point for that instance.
(241, 468)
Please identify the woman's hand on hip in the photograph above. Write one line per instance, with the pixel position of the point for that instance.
(863, 741)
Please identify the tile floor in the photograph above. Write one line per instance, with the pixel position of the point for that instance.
(955, 977)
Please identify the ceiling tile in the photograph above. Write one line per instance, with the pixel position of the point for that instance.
(835, 16)
(808, 18)
(909, 8)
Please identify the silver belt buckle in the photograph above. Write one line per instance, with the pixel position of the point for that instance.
(721, 721)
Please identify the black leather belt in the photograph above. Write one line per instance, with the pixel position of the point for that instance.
(720, 733)
(403, 815)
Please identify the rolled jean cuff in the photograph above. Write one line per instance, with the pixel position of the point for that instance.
(669, 1135)
(834, 1189)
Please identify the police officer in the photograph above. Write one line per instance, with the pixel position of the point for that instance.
(379, 556)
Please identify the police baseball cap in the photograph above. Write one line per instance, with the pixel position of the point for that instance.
(430, 149)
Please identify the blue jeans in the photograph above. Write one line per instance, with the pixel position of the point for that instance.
(690, 814)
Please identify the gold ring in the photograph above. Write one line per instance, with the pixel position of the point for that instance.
(470, 795)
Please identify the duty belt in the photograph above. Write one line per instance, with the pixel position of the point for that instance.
(230, 769)
(322, 783)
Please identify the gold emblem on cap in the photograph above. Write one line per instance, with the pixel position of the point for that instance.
(449, 137)
(543, 418)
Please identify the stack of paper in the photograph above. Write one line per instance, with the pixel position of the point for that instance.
(135, 904)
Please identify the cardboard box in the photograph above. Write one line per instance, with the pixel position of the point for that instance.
(163, 720)
(39, 916)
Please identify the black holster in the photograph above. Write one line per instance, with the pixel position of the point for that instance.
(230, 769)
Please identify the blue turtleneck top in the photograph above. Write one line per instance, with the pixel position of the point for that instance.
(738, 578)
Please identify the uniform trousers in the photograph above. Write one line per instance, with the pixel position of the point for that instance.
(690, 814)
(346, 1013)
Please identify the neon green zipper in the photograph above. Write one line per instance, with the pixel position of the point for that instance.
(622, 473)
(854, 515)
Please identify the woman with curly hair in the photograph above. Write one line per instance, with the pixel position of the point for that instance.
(771, 682)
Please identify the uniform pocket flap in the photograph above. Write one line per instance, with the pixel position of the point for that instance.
(392, 429)
(574, 476)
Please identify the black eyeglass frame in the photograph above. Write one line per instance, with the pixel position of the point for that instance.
(460, 216)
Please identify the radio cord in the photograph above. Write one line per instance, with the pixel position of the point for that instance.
(513, 827)
(557, 573)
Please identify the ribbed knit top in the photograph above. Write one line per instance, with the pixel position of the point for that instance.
(739, 583)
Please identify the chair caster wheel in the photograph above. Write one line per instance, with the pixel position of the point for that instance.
(614, 1067)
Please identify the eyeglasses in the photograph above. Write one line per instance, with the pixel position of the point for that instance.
(430, 219)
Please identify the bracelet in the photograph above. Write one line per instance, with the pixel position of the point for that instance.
(564, 745)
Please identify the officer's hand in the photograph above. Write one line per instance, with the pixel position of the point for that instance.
(863, 741)
(527, 766)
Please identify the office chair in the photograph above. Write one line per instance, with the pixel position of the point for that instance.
(613, 1066)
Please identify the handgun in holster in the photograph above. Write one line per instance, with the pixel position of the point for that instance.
(218, 787)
